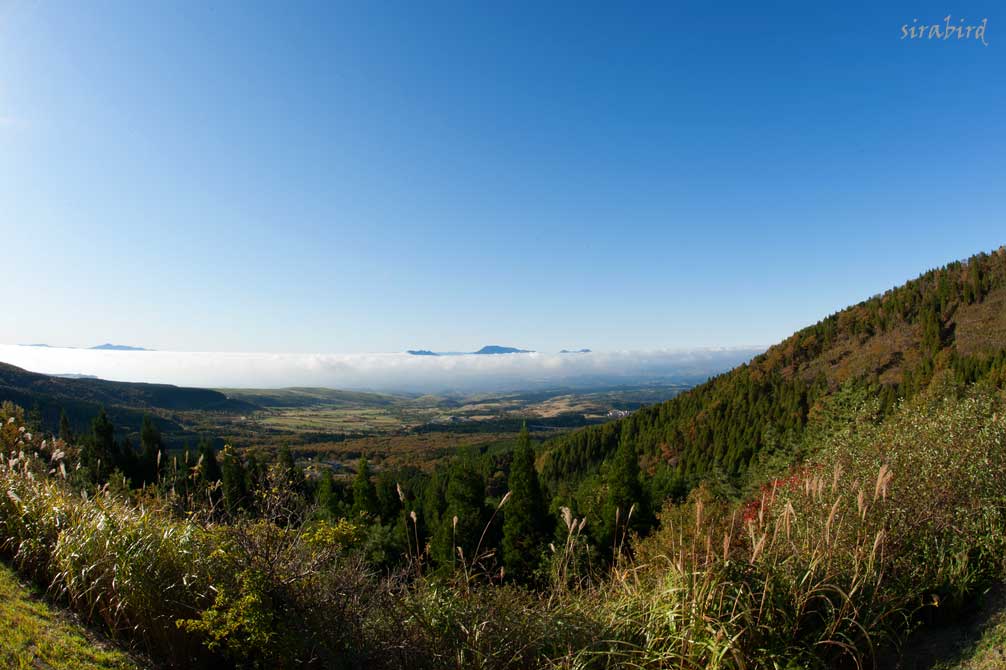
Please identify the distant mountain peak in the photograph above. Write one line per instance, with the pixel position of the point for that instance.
(422, 352)
(108, 346)
(496, 349)
(575, 351)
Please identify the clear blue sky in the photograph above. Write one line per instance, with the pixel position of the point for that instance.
(380, 176)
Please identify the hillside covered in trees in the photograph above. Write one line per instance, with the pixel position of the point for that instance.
(951, 318)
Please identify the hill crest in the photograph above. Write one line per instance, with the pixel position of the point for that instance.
(949, 319)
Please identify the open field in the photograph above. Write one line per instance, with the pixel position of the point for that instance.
(338, 426)
(353, 413)
(333, 420)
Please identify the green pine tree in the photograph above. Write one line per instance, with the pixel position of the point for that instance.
(65, 431)
(34, 419)
(150, 449)
(234, 481)
(99, 454)
(127, 462)
(434, 505)
(524, 517)
(389, 505)
(293, 475)
(254, 472)
(364, 493)
(181, 470)
(328, 503)
(626, 507)
(464, 518)
(209, 467)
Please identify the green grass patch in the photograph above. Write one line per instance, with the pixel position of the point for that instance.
(38, 636)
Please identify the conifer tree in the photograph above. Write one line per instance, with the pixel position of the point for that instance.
(210, 467)
(150, 447)
(99, 454)
(289, 470)
(364, 493)
(253, 477)
(234, 481)
(932, 338)
(389, 505)
(464, 518)
(65, 431)
(126, 462)
(431, 513)
(626, 506)
(182, 471)
(325, 495)
(34, 419)
(524, 517)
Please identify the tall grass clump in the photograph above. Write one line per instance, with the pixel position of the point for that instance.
(274, 591)
(844, 554)
(132, 570)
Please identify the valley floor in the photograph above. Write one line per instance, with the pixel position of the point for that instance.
(35, 635)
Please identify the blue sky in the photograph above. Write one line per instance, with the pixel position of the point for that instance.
(312, 177)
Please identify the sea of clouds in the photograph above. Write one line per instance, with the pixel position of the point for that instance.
(381, 371)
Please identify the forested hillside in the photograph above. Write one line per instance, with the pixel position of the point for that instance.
(952, 318)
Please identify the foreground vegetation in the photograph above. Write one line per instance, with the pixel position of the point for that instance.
(888, 523)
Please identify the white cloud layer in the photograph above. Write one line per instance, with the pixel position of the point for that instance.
(386, 372)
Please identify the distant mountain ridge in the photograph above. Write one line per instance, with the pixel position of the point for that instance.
(108, 346)
(496, 349)
(489, 349)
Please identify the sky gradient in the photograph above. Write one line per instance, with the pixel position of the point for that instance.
(323, 177)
